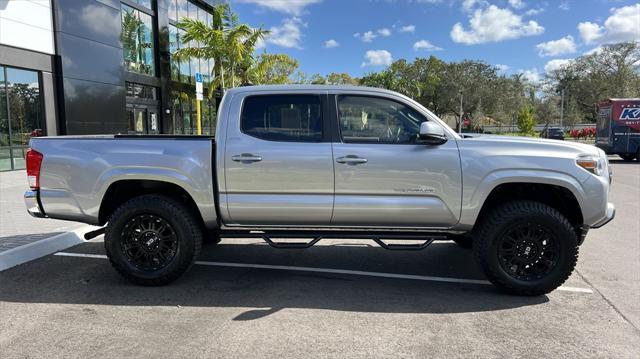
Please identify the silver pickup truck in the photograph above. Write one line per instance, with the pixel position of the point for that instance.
(327, 162)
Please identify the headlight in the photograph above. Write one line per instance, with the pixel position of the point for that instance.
(592, 163)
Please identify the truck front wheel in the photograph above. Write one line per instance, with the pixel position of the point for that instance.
(152, 240)
(526, 248)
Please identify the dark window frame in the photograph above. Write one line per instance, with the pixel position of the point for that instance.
(325, 118)
(10, 131)
(155, 39)
(340, 138)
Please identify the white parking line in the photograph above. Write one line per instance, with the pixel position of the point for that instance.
(34, 250)
(335, 271)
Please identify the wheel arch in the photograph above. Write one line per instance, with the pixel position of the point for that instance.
(539, 185)
(199, 191)
(120, 191)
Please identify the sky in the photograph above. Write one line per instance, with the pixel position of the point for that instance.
(362, 36)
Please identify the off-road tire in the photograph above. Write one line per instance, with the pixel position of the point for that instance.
(499, 221)
(182, 220)
(628, 157)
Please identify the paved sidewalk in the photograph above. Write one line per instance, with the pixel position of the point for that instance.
(17, 227)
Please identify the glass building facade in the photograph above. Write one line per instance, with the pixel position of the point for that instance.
(102, 67)
(21, 115)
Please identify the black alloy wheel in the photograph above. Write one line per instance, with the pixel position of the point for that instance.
(149, 242)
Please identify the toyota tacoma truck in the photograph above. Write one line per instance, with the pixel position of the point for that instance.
(319, 162)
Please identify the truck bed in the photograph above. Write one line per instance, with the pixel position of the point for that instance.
(77, 171)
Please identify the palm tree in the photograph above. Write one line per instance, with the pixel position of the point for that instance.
(226, 41)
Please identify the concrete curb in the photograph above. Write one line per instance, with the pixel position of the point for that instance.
(41, 248)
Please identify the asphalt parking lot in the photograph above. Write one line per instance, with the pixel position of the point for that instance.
(245, 299)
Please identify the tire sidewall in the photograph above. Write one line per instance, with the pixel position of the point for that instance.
(113, 238)
(562, 235)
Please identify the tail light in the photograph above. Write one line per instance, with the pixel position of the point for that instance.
(34, 160)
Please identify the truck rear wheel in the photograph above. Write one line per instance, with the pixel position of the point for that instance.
(526, 248)
(152, 240)
(628, 157)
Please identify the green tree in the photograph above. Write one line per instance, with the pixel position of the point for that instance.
(343, 78)
(611, 71)
(525, 120)
(229, 43)
(317, 79)
(270, 69)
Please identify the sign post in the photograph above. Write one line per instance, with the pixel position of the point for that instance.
(198, 99)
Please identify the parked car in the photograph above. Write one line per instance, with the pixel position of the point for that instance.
(327, 162)
(555, 133)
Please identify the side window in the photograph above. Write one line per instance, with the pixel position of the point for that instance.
(377, 120)
(283, 118)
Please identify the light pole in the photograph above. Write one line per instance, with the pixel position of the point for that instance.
(561, 108)
(460, 120)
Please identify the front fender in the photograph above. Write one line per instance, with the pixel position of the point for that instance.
(475, 195)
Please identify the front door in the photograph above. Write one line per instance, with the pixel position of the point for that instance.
(278, 163)
(142, 119)
(384, 176)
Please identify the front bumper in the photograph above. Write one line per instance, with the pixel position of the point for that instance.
(611, 213)
(33, 207)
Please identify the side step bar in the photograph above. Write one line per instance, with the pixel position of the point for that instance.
(379, 238)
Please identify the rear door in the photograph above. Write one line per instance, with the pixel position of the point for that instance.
(384, 176)
(278, 161)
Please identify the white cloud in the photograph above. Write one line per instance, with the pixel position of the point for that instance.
(294, 7)
(534, 12)
(622, 25)
(469, 5)
(366, 37)
(288, 34)
(590, 32)
(556, 64)
(384, 32)
(562, 46)
(517, 4)
(370, 35)
(408, 28)
(502, 68)
(425, 45)
(329, 44)
(531, 75)
(564, 6)
(493, 24)
(377, 58)
(595, 50)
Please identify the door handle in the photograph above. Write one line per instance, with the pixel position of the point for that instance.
(351, 160)
(246, 157)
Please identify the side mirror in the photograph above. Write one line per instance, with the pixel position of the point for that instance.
(432, 134)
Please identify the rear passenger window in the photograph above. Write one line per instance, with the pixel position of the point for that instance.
(283, 117)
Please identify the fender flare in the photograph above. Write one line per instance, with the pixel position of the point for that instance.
(472, 204)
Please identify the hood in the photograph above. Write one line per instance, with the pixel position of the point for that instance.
(532, 143)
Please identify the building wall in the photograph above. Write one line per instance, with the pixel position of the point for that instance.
(27, 84)
(27, 24)
(90, 64)
(94, 73)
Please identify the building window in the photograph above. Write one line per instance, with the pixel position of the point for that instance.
(135, 90)
(137, 41)
(182, 9)
(184, 120)
(183, 102)
(21, 115)
(145, 3)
